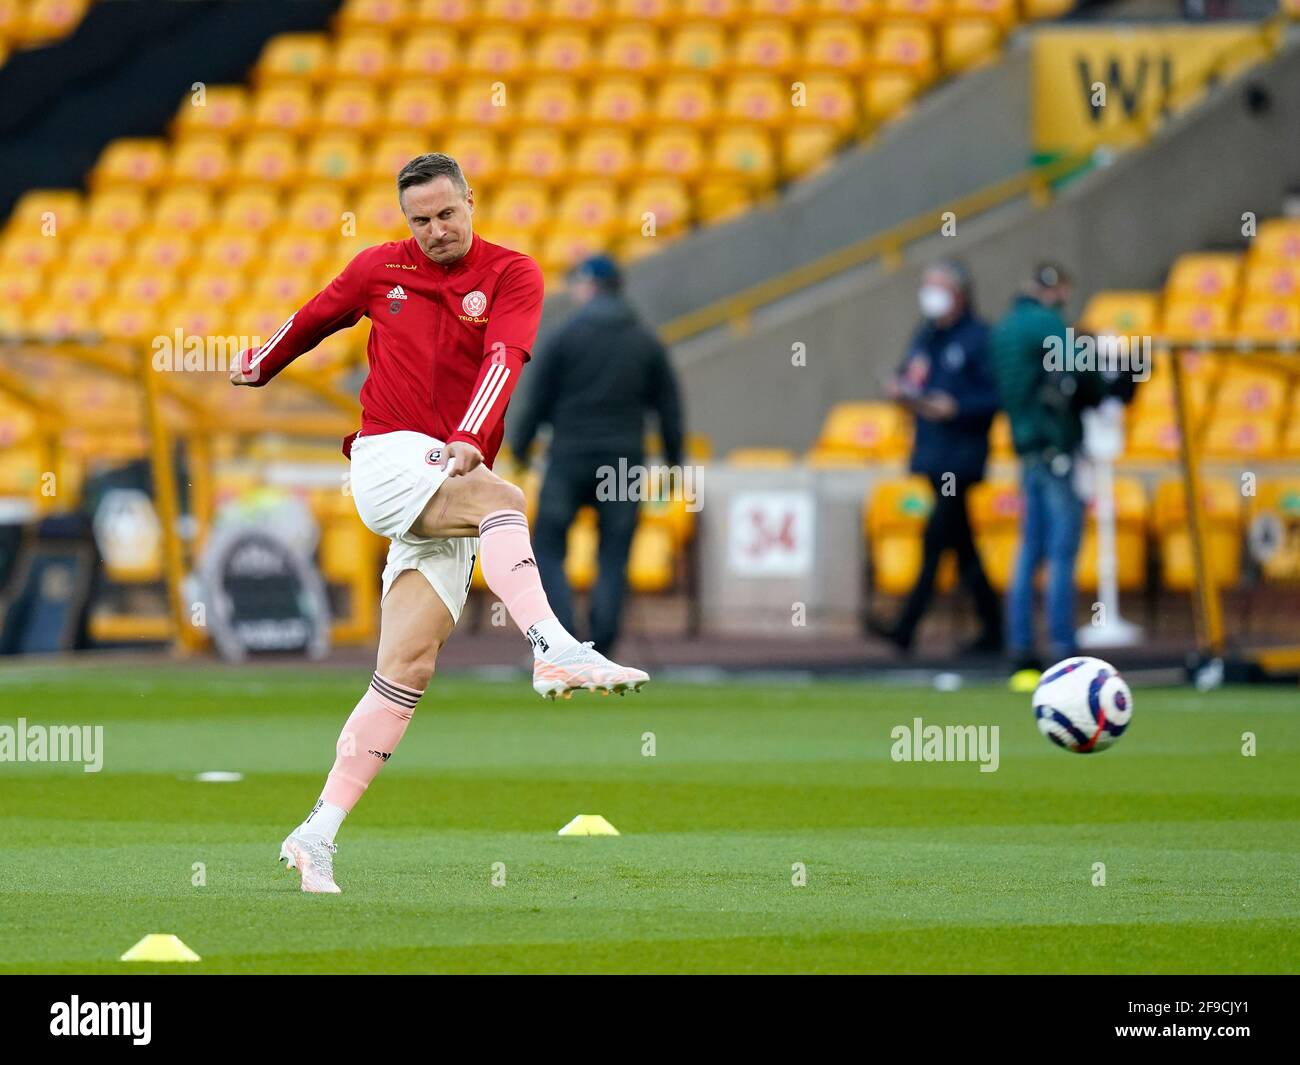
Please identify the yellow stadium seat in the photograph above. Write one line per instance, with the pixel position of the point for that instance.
(967, 43)
(567, 247)
(184, 210)
(135, 162)
(906, 47)
(1272, 280)
(760, 458)
(996, 509)
(1241, 438)
(929, 11)
(362, 55)
(335, 157)
(805, 149)
(49, 20)
(646, 12)
(428, 56)
(45, 212)
(1121, 313)
(18, 286)
(498, 53)
(537, 155)
(120, 319)
(147, 287)
(475, 106)
(673, 515)
(197, 318)
(1243, 391)
(838, 47)
(673, 152)
(413, 107)
(293, 56)
(894, 521)
(59, 320)
(352, 108)
(1221, 506)
(79, 286)
(866, 430)
(794, 11)
(864, 11)
(553, 102)
(719, 12)
(213, 286)
(699, 48)
(686, 100)
(652, 562)
(827, 100)
(18, 251)
(630, 49)
(589, 13)
(765, 46)
(719, 199)
(563, 50)
(887, 92)
(528, 242)
(1277, 241)
(526, 13)
(478, 154)
(1130, 539)
(234, 250)
(617, 101)
(284, 107)
(292, 251)
(521, 205)
(606, 154)
(378, 14)
(389, 153)
(203, 159)
(221, 109)
(1267, 319)
(1189, 318)
(283, 287)
(665, 200)
(1153, 437)
(1041, 9)
(98, 250)
(249, 208)
(380, 211)
(315, 208)
(757, 99)
(451, 14)
(1003, 12)
(118, 210)
(161, 249)
(268, 159)
(1279, 498)
(1204, 276)
(743, 153)
(590, 206)
(259, 318)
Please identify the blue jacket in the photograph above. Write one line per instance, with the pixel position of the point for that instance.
(959, 365)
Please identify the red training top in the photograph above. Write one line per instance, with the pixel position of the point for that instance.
(447, 343)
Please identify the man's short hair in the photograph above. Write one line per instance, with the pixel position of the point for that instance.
(429, 167)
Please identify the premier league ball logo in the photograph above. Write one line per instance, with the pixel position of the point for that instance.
(474, 303)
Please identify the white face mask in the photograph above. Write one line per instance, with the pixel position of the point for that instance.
(936, 301)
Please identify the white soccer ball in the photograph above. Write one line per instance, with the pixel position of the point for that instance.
(1082, 704)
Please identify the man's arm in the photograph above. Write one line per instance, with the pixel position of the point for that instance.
(507, 345)
(340, 304)
(667, 402)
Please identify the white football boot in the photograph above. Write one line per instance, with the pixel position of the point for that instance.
(584, 667)
(313, 857)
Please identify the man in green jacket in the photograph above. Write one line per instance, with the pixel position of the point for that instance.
(1044, 396)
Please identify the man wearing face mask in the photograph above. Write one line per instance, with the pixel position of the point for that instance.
(946, 383)
(1045, 406)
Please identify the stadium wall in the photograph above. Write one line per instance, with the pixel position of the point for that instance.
(1119, 226)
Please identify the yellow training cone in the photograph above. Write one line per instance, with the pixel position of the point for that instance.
(588, 825)
(160, 947)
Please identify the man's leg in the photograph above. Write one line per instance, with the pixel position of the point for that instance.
(414, 624)
(1065, 529)
(617, 519)
(934, 541)
(556, 508)
(1020, 594)
(481, 504)
(972, 573)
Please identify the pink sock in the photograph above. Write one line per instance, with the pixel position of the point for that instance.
(368, 739)
(506, 553)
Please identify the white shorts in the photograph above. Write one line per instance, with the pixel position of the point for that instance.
(394, 475)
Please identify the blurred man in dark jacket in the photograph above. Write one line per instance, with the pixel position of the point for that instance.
(946, 382)
(594, 383)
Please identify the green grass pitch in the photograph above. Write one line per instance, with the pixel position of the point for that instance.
(910, 867)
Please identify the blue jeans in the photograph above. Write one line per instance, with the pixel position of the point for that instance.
(1052, 526)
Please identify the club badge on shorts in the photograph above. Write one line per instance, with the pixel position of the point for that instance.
(434, 456)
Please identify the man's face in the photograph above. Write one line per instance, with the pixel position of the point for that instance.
(441, 219)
